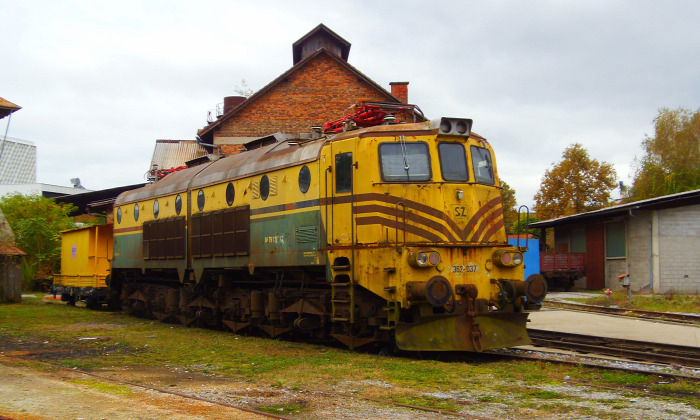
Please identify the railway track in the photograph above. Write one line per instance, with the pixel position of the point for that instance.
(191, 396)
(663, 316)
(629, 349)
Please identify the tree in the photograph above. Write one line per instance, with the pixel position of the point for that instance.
(37, 222)
(671, 161)
(575, 185)
(244, 90)
(508, 202)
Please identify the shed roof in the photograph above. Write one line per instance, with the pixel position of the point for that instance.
(175, 153)
(687, 198)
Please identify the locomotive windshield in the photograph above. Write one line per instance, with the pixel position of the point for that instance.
(483, 168)
(404, 162)
(453, 162)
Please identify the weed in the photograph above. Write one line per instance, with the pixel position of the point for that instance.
(545, 395)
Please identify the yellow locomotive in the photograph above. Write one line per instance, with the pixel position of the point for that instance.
(386, 234)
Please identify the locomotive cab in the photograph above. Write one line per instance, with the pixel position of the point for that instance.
(424, 230)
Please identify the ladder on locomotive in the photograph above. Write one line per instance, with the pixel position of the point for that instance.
(342, 291)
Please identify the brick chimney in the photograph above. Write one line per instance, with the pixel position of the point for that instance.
(231, 102)
(400, 90)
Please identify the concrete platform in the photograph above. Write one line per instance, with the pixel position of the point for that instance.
(578, 322)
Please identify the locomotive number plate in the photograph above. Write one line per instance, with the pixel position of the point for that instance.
(459, 212)
(471, 268)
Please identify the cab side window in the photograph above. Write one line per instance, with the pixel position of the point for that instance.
(343, 172)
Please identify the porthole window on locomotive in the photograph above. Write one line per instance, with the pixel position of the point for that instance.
(200, 200)
(304, 179)
(136, 212)
(178, 205)
(230, 194)
(453, 162)
(119, 215)
(264, 187)
(483, 168)
(156, 209)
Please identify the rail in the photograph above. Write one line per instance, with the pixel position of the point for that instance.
(617, 347)
(665, 316)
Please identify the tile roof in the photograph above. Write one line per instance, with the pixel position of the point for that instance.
(17, 161)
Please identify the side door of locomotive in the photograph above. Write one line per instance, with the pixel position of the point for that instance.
(341, 193)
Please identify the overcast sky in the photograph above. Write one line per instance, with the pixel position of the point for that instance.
(99, 82)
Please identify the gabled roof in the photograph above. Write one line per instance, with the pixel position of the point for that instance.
(321, 32)
(209, 128)
(687, 198)
(7, 108)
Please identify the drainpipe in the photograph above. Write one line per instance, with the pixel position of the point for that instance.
(201, 143)
(2, 144)
(650, 286)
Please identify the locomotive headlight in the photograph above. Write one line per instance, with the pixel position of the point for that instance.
(445, 125)
(517, 258)
(423, 258)
(505, 258)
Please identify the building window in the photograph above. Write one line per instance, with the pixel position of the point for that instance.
(615, 240)
(453, 162)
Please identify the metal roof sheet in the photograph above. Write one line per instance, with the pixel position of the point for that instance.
(687, 198)
(174, 153)
(17, 161)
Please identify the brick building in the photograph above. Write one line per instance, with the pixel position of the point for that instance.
(321, 86)
(655, 241)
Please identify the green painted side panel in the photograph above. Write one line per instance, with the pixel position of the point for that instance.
(278, 241)
(127, 251)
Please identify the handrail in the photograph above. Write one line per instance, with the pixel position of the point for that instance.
(527, 228)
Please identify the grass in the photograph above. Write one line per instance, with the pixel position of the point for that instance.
(104, 387)
(667, 302)
(120, 340)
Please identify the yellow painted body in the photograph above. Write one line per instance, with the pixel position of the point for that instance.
(85, 256)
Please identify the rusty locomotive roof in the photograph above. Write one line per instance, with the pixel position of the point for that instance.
(274, 156)
(265, 159)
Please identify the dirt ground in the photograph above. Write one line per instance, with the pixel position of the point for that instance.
(33, 390)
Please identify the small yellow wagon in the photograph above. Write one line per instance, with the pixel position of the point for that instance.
(85, 256)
